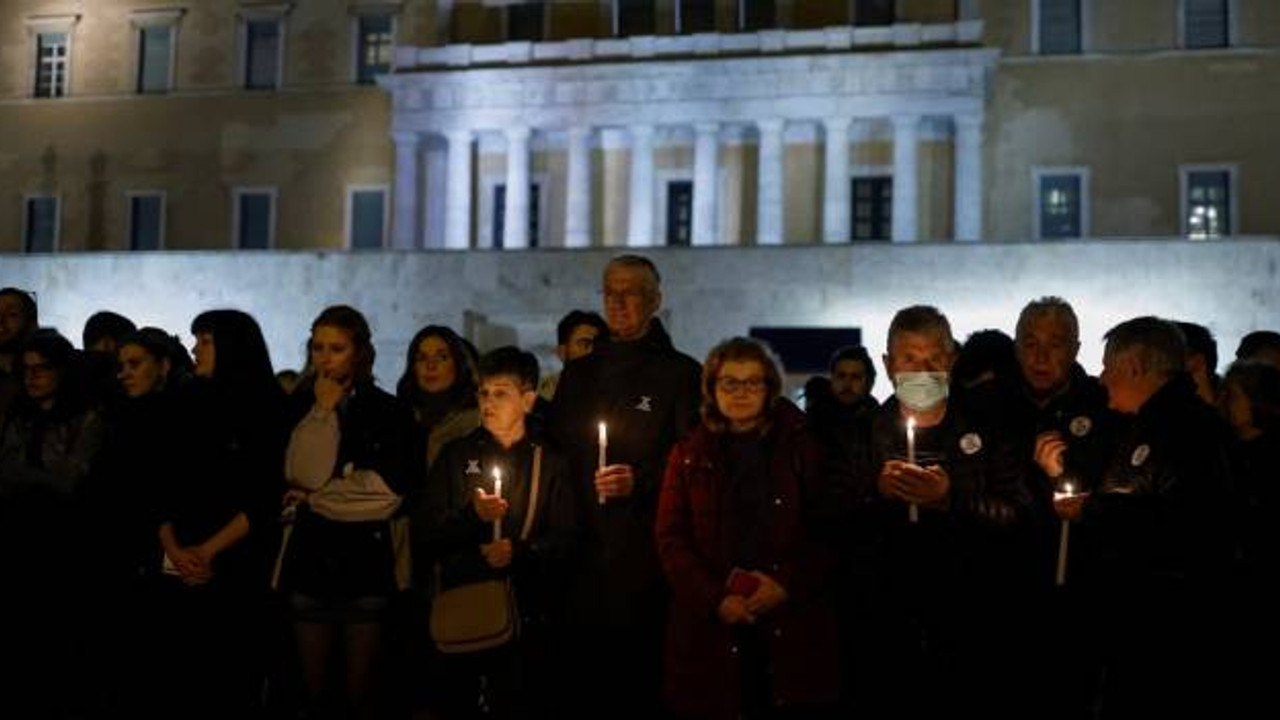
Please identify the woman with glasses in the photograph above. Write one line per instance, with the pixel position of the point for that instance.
(752, 628)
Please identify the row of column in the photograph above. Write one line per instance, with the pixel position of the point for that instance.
(771, 194)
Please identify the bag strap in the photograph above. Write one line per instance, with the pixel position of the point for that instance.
(533, 493)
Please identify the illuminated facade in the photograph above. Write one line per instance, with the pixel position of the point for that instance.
(331, 124)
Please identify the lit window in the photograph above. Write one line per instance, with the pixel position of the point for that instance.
(1208, 204)
(1061, 197)
(374, 47)
(872, 208)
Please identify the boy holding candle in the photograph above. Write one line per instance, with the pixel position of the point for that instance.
(478, 502)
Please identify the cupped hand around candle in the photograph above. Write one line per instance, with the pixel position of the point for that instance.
(489, 507)
(1051, 447)
(914, 484)
(497, 553)
(1069, 507)
(615, 481)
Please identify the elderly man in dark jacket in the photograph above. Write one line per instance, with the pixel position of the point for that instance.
(1162, 523)
(647, 395)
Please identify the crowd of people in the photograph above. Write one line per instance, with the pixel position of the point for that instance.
(189, 534)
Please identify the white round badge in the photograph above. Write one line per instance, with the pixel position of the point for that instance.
(1140, 454)
(970, 443)
(1080, 426)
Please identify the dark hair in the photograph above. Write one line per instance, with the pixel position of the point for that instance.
(1200, 341)
(738, 349)
(859, 354)
(1158, 343)
(56, 350)
(242, 363)
(103, 324)
(921, 319)
(160, 345)
(1257, 342)
(345, 317)
(986, 351)
(463, 392)
(510, 361)
(27, 303)
(1260, 384)
(576, 318)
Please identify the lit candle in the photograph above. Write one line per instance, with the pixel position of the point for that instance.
(913, 511)
(497, 492)
(1068, 490)
(604, 451)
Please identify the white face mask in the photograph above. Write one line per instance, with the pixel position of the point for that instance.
(921, 390)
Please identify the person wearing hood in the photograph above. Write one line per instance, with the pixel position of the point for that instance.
(646, 394)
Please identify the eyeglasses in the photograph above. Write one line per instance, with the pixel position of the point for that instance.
(731, 385)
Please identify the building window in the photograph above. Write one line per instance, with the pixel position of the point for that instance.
(1208, 196)
(262, 53)
(146, 221)
(872, 208)
(500, 214)
(679, 213)
(1205, 24)
(633, 17)
(696, 16)
(375, 45)
(1061, 197)
(873, 12)
(41, 224)
(525, 21)
(52, 56)
(254, 218)
(155, 57)
(754, 15)
(1058, 27)
(367, 226)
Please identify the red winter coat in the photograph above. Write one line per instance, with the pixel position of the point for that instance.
(695, 546)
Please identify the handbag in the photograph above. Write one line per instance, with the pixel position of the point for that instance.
(481, 615)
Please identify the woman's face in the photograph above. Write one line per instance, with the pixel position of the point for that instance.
(740, 393)
(140, 371)
(433, 365)
(333, 353)
(203, 352)
(40, 377)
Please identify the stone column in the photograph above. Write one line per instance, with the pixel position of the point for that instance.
(706, 190)
(640, 213)
(906, 177)
(516, 218)
(404, 224)
(836, 209)
(457, 218)
(577, 218)
(771, 198)
(968, 200)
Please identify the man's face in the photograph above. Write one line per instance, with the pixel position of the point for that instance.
(1120, 374)
(849, 381)
(927, 351)
(13, 321)
(1046, 353)
(40, 378)
(581, 342)
(629, 304)
(503, 404)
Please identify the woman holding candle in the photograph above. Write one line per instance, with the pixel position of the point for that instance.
(481, 527)
(752, 627)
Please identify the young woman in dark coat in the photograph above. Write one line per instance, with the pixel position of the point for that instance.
(752, 629)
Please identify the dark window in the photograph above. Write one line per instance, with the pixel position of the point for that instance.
(376, 44)
(872, 208)
(1208, 203)
(146, 219)
(1059, 27)
(635, 17)
(1060, 206)
(42, 224)
(679, 212)
(1205, 23)
(254, 229)
(262, 54)
(524, 21)
(697, 16)
(154, 53)
(806, 349)
(873, 12)
(51, 65)
(757, 15)
(367, 219)
(500, 215)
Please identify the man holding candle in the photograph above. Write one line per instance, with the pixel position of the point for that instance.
(647, 395)
(937, 608)
(1161, 517)
(478, 500)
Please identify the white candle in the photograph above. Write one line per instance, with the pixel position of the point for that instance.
(497, 492)
(604, 451)
(1068, 490)
(913, 511)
